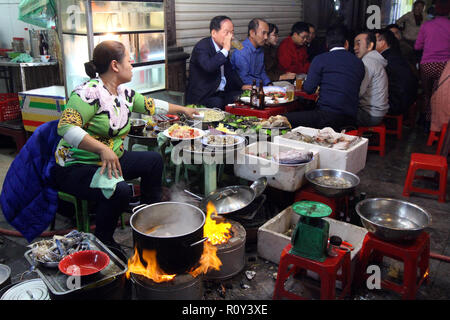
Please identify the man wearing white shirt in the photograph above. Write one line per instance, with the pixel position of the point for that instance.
(212, 80)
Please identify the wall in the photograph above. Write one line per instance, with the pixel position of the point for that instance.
(193, 17)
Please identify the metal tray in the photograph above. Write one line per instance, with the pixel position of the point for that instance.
(56, 281)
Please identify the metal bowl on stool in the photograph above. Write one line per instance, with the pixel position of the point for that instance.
(391, 219)
(330, 191)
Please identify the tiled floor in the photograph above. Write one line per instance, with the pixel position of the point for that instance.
(382, 177)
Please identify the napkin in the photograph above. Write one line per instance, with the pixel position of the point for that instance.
(102, 181)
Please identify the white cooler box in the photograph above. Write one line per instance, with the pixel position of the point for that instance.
(352, 160)
(272, 238)
(283, 177)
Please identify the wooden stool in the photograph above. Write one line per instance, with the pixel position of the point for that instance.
(327, 270)
(415, 255)
(427, 162)
(399, 125)
(381, 130)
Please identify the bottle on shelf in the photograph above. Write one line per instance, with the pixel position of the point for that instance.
(254, 95)
(43, 45)
(261, 102)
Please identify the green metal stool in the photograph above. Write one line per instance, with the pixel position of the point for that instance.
(81, 211)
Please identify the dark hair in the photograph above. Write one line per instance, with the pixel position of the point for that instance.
(273, 27)
(104, 53)
(388, 36)
(336, 37)
(310, 25)
(254, 24)
(416, 3)
(299, 27)
(370, 37)
(216, 22)
(394, 25)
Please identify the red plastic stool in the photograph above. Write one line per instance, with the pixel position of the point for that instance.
(308, 193)
(415, 255)
(381, 130)
(432, 137)
(399, 125)
(441, 138)
(427, 162)
(327, 271)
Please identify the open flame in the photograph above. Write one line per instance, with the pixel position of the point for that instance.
(217, 233)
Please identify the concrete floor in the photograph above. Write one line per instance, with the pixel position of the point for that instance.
(382, 177)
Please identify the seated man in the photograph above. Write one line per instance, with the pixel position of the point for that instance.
(249, 61)
(373, 94)
(314, 46)
(212, 80)
(402, 83)
(292, 52)
(339, 74)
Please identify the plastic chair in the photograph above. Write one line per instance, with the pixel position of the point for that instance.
(381, 130)
(433, 162)
(415, 255)
(327, 271)
(399, 125)
(437, 136)
(81, 212)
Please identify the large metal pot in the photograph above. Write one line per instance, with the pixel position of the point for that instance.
(174, 230)
(233, 199)
(391, 219)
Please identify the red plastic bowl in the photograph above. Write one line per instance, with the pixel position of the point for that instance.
(83, 263)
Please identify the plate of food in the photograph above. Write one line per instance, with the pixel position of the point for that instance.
(209, 115)
(222, 140)
(180, 132)
(275, 122)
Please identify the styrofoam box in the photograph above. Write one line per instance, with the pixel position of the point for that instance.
(272, 238)
(283, 177)
(352, 160)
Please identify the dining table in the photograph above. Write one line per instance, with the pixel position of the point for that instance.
(242, 109)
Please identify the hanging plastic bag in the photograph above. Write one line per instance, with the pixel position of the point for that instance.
(41, 13)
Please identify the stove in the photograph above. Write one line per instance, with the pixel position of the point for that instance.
(231, 253)
(255, 215)
(182, 287)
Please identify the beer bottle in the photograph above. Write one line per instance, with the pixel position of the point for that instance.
(254, 95)
(261, 96)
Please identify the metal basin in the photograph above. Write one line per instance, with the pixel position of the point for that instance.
(328, 190)
(391, 219)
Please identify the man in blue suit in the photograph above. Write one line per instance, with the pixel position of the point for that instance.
(212, 80)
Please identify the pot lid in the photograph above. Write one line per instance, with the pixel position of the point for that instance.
(312, 209)
(34, 289)
(5, 273)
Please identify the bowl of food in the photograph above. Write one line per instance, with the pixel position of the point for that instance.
(332, 182)
(84, 263)
(391, 219)
(137, 126)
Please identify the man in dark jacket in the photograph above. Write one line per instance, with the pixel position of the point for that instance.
(402, 82)
(212, 80)
(339, 74)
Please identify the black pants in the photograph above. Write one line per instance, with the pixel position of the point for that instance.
(220, 99)
(320, 119)
(76, 180)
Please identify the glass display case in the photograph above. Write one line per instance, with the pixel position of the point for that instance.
(139, 25)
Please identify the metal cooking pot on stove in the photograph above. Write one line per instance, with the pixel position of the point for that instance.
(174, 230)
(232, 199)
